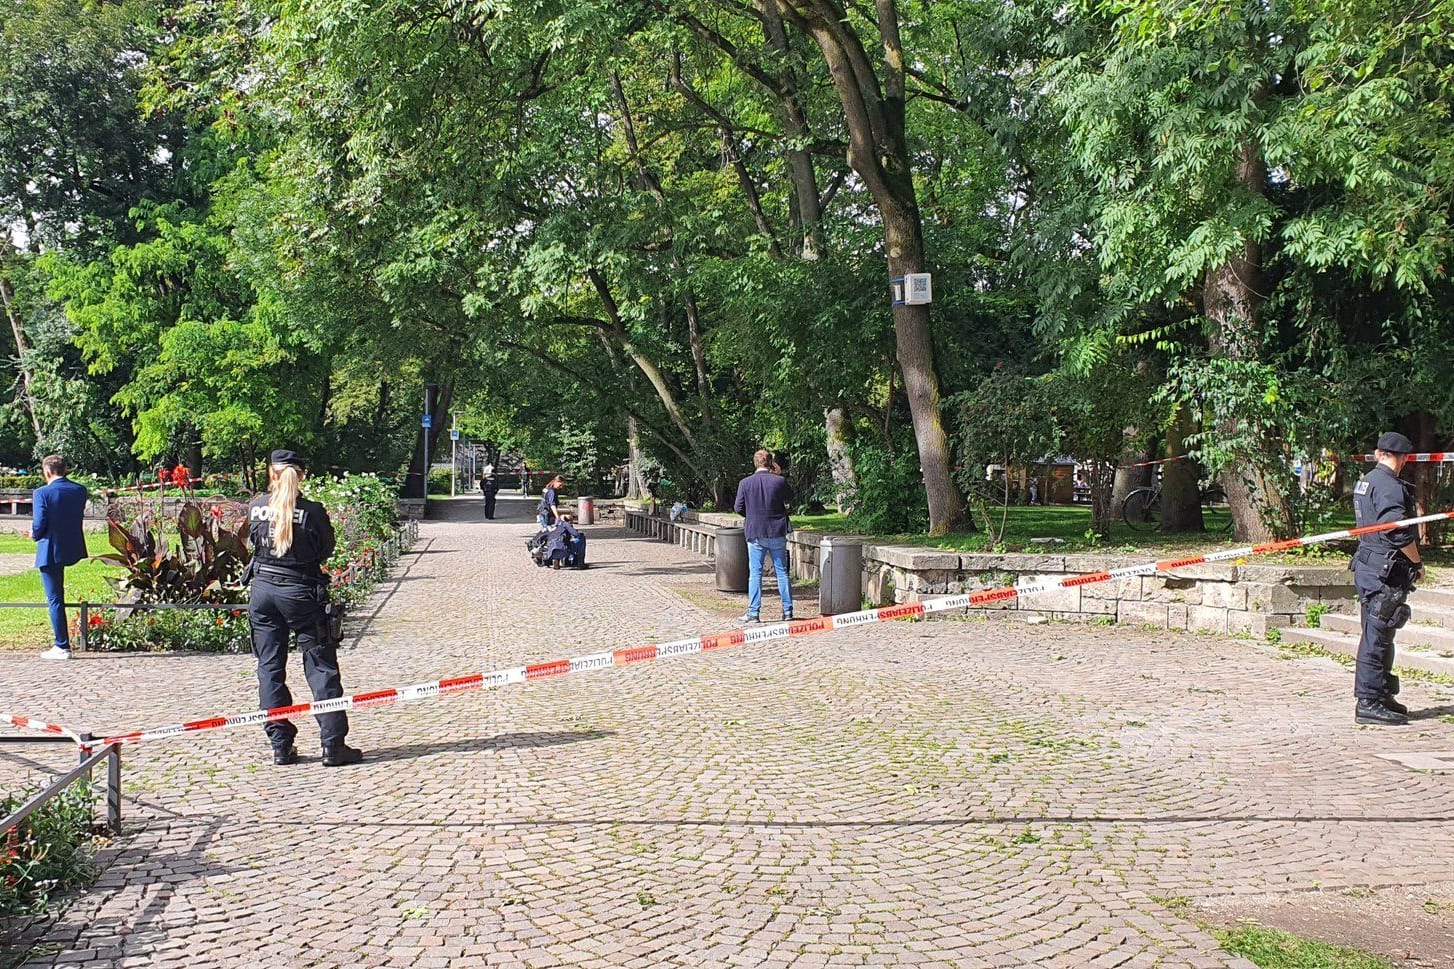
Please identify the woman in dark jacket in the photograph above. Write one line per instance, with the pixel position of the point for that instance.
(291, 538)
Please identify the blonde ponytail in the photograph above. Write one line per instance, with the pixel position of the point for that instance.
(282, 502)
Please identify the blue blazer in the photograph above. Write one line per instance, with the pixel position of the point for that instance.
(56, 528)
(762, 499)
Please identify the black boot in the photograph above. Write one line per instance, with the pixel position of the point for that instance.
(1375, 712)
(1394, 705)
(285, 755)
(341, 755)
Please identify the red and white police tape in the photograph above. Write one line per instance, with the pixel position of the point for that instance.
(40, 726)
(1422, 457)
(738, 637)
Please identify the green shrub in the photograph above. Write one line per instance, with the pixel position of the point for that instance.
(44, 855)
(890, 497)
(25, 482)
(362, 509)
(147, 631)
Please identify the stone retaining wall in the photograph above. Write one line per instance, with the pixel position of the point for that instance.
(1220, 597)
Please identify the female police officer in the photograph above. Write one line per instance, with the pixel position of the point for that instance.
(291, 539)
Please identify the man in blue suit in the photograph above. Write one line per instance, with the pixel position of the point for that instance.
(59, 508)
(762, 499)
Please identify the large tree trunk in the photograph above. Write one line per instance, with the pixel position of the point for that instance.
(1181, 500)
(1232, 301)
(840, 459)
(1102, 482)
(1129, 477)
(878, 152)
(915, 348)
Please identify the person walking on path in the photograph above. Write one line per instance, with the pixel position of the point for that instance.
(547, 513)
(490, 488)
(60, 505)
(291, 538)
(1385, 568)
(762, 499)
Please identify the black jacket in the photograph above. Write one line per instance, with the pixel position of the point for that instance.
(313, 540)
(1380, 497)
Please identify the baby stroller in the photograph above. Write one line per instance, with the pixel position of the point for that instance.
(536, 545)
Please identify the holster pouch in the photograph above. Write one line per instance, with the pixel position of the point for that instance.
(1388, 606)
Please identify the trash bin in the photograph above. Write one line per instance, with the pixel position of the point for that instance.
(585, 510)
(840, 575)
(731, 559)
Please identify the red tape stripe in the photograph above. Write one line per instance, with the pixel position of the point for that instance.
(538, 671)
(723, 640)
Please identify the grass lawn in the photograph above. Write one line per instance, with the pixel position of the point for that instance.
(1070, 524)
(1271, 949)
(30, 628)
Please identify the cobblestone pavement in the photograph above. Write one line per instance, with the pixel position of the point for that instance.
(949, 793)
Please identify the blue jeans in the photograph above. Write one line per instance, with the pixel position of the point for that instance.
(53, 581)
(778, 549)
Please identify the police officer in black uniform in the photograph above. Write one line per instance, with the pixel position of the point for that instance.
(291, 539)
(1384, 568)
(490, 488)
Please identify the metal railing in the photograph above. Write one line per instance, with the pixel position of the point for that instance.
(89, 759)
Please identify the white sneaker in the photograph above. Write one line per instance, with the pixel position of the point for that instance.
(55, 652)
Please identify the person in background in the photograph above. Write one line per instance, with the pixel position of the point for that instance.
(490, 488)
(762, 499)
(60, 506)
(292, 537)
(567, 546)
(547, 513)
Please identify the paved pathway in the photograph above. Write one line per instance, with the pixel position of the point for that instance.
(955, 793)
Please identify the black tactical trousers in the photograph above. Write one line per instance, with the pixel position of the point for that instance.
(489, 506)
(275, 610)
(1373, 676)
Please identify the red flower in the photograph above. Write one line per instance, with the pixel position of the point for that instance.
(96, 620)
(181, 477)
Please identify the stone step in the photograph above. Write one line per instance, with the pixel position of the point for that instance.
(1431, 613)
(1424, 629)
(1437, 598)
(1408, 657)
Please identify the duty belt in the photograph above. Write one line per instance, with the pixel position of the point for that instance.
(288, 576)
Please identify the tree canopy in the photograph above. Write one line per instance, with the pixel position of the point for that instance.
(664, 232)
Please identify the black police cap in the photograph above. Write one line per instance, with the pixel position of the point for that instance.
(1395, 443)
(282, 456)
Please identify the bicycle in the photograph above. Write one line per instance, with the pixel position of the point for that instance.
(1142, 508)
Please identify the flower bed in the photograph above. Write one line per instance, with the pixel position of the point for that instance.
(199, 564)
(46, 854)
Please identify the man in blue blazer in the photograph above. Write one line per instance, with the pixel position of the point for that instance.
(762, 499)
(59, 508)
